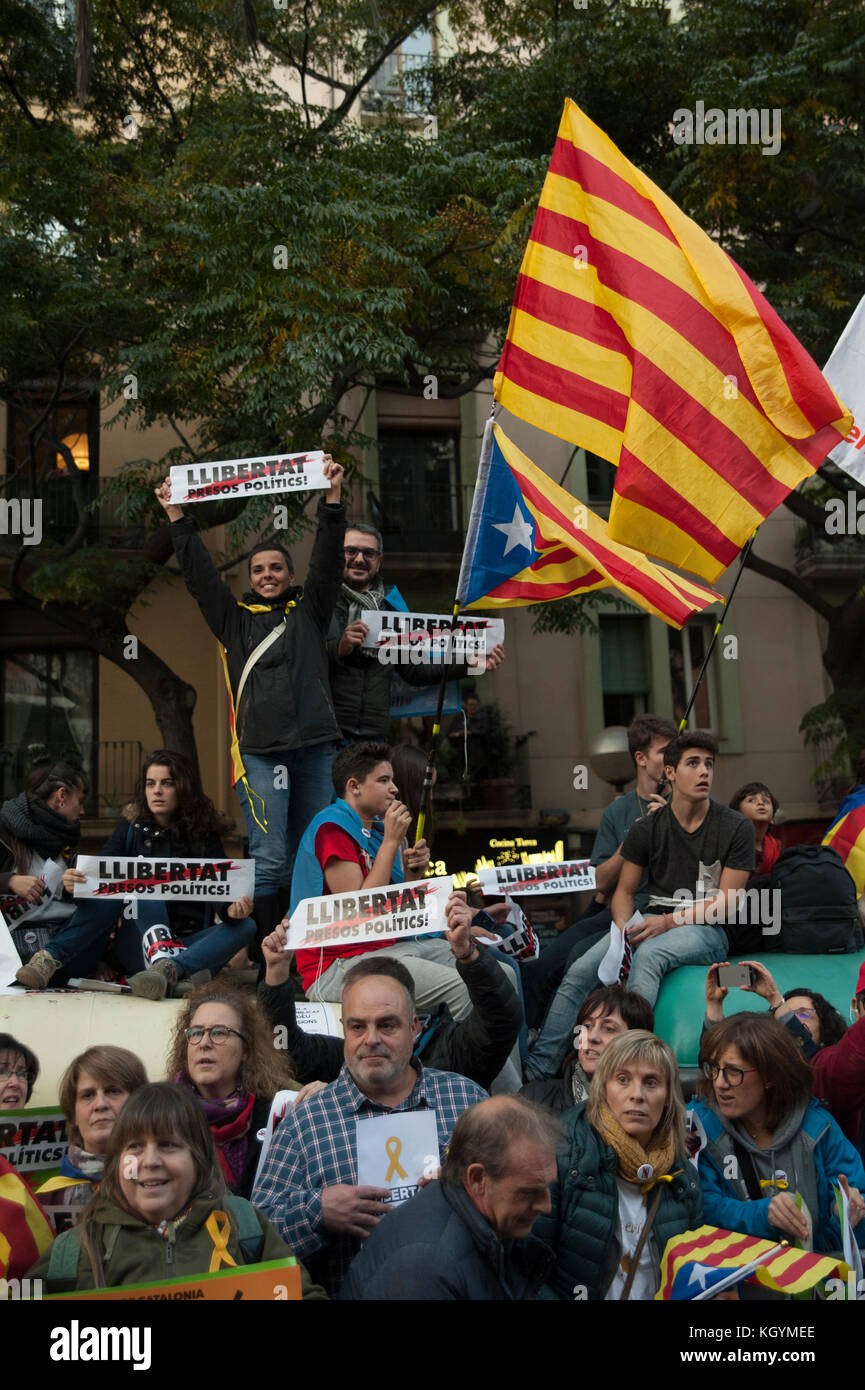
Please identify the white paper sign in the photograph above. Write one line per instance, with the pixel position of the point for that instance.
(317, 1018)
(204, 880)
(10, 961)
(417, 639)
(397, 1150)
(567, 876)
(18, 912)
(850, 1249)
(615, 968)
(396, 913)
(201, 482)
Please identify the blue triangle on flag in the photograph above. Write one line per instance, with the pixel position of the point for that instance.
(506, 534)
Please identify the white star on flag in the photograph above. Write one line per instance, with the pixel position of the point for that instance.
(518, 531)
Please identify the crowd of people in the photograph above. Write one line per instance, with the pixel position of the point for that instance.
(560, 1162)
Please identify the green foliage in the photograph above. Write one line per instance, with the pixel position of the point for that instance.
(84, 578)
(836, 730)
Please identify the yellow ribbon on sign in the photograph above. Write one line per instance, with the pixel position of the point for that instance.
(219, 1235)
(393, 1154)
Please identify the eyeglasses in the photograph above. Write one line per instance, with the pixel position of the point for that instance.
(805, 1014)
(366, 551)
(731, 1076)
(8, 1073)
(218, 1034)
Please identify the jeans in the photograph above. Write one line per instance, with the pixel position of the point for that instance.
(82, 942)
(287, 809)
(651, 962)
(430, 964)
(542, 977)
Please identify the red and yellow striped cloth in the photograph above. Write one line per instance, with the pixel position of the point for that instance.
(24, 1228)
(633, 334)
(846, 834)
(570, 551)
(791, 1271)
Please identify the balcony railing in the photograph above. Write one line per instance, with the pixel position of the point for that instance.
(105, 522)
(112, 767)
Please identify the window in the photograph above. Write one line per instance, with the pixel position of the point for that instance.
(420, 493)
(687, 653)
(600, 479)
(624, 668)
(399, 82)
(73, 422)
(48, 709)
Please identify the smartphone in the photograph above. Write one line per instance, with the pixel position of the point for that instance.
(663, 787)
(735, 976)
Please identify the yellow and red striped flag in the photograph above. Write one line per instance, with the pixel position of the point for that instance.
(529, 541)
(635, 335)
(846, 834)
(25, 1230)
(710, 1248)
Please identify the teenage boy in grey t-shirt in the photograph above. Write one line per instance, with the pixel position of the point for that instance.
(692, 846)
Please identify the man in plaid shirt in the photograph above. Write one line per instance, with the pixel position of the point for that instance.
(308, 1189)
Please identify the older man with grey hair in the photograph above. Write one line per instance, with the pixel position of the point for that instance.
(468, 1236)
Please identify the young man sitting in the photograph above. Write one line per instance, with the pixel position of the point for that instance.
(696, 854)
(355, 844)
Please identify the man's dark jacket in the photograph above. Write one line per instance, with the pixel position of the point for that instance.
(286, 701)
(438, 1246)
(361, 683)
(477, 1046)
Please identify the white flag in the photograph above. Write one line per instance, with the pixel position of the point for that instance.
(845, 373)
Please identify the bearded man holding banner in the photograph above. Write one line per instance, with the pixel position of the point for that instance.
(284, 733)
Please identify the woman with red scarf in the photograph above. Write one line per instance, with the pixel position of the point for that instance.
(223, 1052)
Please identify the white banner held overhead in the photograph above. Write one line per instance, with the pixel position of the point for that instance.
(200, 482)
(396, 913)
(567, 876)
(845, 373)
(421, 638)
(204, 880)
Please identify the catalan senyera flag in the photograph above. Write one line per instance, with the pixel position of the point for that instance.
(846, 834)
(636, 336)
(530, 541)
(789, 1271)
(24, 1228)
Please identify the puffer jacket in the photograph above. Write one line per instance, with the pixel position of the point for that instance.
(583, 1225)
(286, 701)
(133, 1251)
(818, 1141)
(361, 683)
(438, 1246)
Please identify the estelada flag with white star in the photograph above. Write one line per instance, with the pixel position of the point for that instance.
(693, 1261)
(530, 541)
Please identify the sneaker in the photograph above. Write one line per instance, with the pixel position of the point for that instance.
(157, 982)
(38, 971)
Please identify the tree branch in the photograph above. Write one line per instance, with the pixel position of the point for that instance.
(340, 112)
(19, 100)
(797, 586)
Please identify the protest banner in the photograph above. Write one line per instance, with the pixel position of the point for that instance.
(201, 879)
(396, 913)
(418, 639)
(18, 911)
(396, 1151)
(273, 1280)
(317, 1018)
(10, 961)
(34, 1141)
(568, 876)
(199, 482)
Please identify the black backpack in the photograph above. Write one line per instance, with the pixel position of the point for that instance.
(818, 902)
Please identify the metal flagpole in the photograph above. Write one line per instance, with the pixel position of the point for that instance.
(683, 722)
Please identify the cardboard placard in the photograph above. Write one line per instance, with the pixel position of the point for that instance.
(397, 1150)
(207, 880)
(34, 1141)
(428, 638)
(396, 913)
(273, 1280)
(201, 482)
(567, 876)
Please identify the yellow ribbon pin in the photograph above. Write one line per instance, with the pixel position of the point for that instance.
(393, 1154)
(219, 1235)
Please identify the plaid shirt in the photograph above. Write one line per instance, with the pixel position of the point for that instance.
(314, 1147)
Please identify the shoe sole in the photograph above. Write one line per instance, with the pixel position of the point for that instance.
(149, 985)
(29, 979)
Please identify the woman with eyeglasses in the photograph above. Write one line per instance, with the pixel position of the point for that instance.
(835, 1052)
(19, 1068)
(223, 1053)
(768, 1140)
